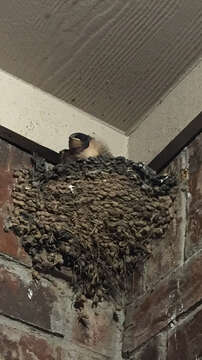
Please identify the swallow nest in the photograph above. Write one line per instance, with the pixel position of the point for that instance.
(94, 218)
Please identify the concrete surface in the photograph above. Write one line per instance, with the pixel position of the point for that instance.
(47, 120)
(168, 118)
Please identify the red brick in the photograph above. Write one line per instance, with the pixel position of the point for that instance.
(9, 244)
(18, 158)
(167, 253)
(194, 234)
(11, 158)
(154, 311)
(189, 284)
(173, 296)
(184, 342)
(6, 183)
(45, 307)
(5, 154)
(20, 345)
(32, 347)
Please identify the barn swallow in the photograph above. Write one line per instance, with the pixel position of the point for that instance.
(82, 146)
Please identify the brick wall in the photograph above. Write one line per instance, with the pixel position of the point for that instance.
(37, 320)
(164, 312)
(163, 317)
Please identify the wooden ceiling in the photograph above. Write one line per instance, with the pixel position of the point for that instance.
(111, 58)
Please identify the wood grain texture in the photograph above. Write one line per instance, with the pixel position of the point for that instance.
(111, 58)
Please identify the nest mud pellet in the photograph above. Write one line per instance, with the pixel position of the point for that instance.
(95, 217)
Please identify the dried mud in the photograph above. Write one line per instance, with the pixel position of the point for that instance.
(94, 217)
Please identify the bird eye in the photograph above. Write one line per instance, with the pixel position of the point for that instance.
(79, 136)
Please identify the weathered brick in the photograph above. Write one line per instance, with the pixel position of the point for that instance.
(9, 244)
(20, 343)
(184, 341)
(18, 158)
(11, 158)
(101, 333)
(168, 253)
(6, 182)
(194, 233)
(189, 284)
(41, 305)
(5, 154)
(36, 348)
(173, 296)
(156, 349)
(136, 284)
(154, 311)
(17, 344)
(79, 353)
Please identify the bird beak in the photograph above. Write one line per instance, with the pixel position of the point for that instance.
(74, 143)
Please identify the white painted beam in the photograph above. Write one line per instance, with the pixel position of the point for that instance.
(47, 120)
(168, 118)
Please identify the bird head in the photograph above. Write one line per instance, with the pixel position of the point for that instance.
(79, 142)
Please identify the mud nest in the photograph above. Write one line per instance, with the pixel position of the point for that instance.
(94, 217)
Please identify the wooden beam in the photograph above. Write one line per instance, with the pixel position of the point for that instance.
(28, 145)
(183, 139)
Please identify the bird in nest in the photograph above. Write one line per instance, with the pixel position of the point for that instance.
(82, 146)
